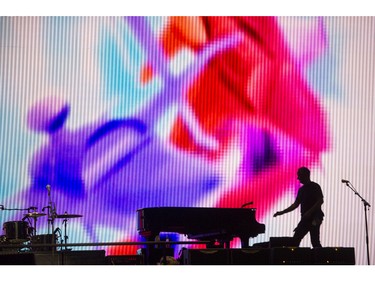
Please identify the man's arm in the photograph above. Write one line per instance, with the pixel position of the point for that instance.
(289, 209)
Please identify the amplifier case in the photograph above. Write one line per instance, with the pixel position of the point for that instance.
(225, 256)
(250, 256)
(291, 256)
(205, 257)
(334, 256)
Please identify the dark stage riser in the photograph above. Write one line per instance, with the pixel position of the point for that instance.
(269, 256)
(216, 256)
(57, 258)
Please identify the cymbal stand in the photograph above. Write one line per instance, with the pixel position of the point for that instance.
(34, 231)
(51, 211)
(65, 222)
(51, 215)
(367, 206)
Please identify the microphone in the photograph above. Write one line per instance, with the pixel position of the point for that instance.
(33, 208)
(46, 207)
(345, 181)
(1, 207)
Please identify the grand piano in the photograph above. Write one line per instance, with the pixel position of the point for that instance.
(216, 225)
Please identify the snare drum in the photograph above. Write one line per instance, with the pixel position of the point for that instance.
(16, 231)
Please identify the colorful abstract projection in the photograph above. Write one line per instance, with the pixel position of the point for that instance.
(204, 111)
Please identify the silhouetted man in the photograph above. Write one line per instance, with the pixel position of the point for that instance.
(310, 197)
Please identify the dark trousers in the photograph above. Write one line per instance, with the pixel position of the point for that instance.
(303, 228)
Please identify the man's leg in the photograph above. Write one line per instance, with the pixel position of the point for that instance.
(315, 236)
(300, 232)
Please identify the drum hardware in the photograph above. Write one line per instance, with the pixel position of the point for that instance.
(18, 209)
(3, 239)
(35, 216)
(59, 236)
(32, 209)
(51, 210)
(17, 233)
(66, 216)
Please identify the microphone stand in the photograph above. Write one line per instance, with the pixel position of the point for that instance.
(366, 205)
(51, 216)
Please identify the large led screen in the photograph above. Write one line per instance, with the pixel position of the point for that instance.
(103, 116)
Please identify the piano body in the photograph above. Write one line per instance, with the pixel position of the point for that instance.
(203, 224)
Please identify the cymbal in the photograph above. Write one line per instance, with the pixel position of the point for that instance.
(35, 215)
(68, 216)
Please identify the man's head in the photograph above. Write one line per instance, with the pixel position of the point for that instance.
(303, 175)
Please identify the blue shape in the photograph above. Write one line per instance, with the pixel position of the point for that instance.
(212, 182)
(112, 125)
(59, 120)
(126, 159)
(322, 74)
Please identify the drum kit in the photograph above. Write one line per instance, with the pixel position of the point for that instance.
(23, 234)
